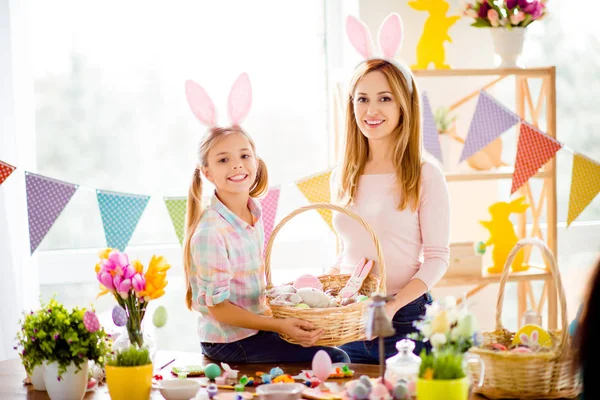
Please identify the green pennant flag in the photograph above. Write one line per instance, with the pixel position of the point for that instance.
(176, 207)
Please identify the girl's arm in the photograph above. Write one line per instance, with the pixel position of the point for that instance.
(434, 219)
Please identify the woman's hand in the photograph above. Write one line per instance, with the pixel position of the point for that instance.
(301, 331)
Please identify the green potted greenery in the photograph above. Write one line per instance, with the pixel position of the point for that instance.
(129, 374)
(29, 345)
(69, 339)
(443, 120)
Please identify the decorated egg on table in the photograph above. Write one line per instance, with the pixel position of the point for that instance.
(90, 321)
(119, 316)
(159, 319)
(321, 365)
(211, 371)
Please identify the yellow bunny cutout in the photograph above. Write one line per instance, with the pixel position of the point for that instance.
(430, 48)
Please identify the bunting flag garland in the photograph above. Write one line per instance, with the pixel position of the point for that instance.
(431, 137)
(120, 214)
(316, 190)
(269, 211)
(176, 207)
(5, 171)
(585, 185)
(533, 151)
(46, 199)
(490, 120)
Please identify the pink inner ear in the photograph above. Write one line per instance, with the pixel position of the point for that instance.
(359, 36)
(200, 103)
(240, 99)
(390, 35)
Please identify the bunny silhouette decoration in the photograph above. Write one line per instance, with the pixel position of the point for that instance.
(430, 48)
(502, 234)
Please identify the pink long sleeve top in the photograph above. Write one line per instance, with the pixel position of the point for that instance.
(415, 244)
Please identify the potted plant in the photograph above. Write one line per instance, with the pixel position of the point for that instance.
(69, 340)
(133, 289)
(129, 374)
(452, 331)
(443, 120)
(29, 346)
(508, 20)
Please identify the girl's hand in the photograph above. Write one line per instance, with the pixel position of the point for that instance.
(301, 331)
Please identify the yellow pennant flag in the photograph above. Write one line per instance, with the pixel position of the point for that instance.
(585, 185)
(316, 190)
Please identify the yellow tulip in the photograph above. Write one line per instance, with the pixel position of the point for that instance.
(139, 267)
(156, 278)
(103, 254)
(441, 323)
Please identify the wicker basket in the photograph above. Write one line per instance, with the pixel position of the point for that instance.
(546, 375)
(343, 324)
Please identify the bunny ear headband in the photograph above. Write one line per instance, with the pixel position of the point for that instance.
(238, 103)
(390, 36)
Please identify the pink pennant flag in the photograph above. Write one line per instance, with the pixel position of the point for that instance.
(431, 137)
(533, 151)
(490, 120)
(269, 211)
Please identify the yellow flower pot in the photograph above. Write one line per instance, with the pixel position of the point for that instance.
(451, 389)
(129, 383)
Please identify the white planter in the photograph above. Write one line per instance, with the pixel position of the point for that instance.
(508, 44)
(72, 385)
(37, 378)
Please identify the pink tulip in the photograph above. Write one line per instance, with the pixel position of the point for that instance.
(106, 280)
(129, 271)
(493, 17)
(123, 288)
(138, 282)
(517, 18)
(119, 261)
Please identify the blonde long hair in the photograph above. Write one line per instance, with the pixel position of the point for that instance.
(194, 203)
(406, 138)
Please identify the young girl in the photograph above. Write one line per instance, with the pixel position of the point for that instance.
(223, 246)
(384, 179)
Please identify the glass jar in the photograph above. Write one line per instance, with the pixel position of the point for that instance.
(404, 365)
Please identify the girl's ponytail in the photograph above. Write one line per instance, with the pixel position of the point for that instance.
(261, 184)
(192, 218)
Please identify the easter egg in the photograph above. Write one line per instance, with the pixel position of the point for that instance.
(302, 305)
(275, 372)
(362, 297)
(211, 371)
(480, 248)
(119, 316)
(321, 365)
(308, 281)
(535, 334)
(361, 392)
(159, 319)
(366, 381)
(90, 321)
(400, 391)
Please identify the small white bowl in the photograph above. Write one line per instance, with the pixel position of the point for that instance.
(179, 389)
(280, 391)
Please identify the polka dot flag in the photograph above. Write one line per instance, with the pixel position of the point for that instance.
(431, 137)
(533, 150)
(46, 199)
(5, 171)
(585, 185)
(176, 207)
(120, 214)
(490, 120)
(269, 211)
(316, 190)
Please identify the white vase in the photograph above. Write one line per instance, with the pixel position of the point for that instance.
(508, 44)
(37, 378)
(71, 386)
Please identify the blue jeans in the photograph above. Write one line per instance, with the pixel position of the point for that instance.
(367, 352)
(267, 347)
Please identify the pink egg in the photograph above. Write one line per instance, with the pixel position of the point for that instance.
(321, 365)
(90, 321)
(308, 281)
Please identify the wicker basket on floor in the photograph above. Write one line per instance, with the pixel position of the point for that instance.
(544, 375)
(343, 324)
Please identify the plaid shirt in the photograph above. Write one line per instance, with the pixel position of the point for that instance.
(227, 265)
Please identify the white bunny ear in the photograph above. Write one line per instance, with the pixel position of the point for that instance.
(390, 36)
(359, 36)
(201, 104)
(240, 99)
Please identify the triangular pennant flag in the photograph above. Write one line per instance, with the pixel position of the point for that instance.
(269, 211)
(585, 185)
(534, 150)
(431, 137)
(490, 120)
(176, 207)
(120, 214)
(5, 171)
(316, 190)
(46, 199)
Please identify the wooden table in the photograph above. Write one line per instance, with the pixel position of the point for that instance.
(12, 374)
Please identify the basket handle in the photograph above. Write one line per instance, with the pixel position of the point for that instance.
(551, 262)
(333, 207)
